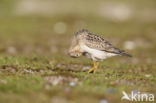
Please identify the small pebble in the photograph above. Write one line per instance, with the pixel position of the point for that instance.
(59, 65)
(103, 101)
(110, 90)
(72, 84)
(41, 71)
(148, 75)
(28, 71)
(86, 68)
(135, 91)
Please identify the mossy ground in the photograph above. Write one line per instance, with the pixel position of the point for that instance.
(35, 67)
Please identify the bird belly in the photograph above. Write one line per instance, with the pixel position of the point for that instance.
(99, 55)
(95, 54)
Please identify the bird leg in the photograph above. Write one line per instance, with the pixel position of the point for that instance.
(94, 67)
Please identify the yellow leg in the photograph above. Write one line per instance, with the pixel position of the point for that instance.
(93, 67)
(96, 67)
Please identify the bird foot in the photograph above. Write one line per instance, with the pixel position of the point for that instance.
(93, 70)
(90, 71)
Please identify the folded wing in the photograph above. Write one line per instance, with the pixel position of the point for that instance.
(97, 42)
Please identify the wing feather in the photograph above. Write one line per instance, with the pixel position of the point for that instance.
(94, 41)
(97, 42)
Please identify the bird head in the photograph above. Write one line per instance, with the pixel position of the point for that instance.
(75, 54)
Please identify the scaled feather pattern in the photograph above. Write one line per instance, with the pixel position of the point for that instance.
(92, 46)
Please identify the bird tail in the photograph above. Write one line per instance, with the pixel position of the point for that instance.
(120, 52)
(127, 55)
(123, 53)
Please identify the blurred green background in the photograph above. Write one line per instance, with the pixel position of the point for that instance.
(35, 34)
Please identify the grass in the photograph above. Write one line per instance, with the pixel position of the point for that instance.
(20, 84)
(34, 62)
